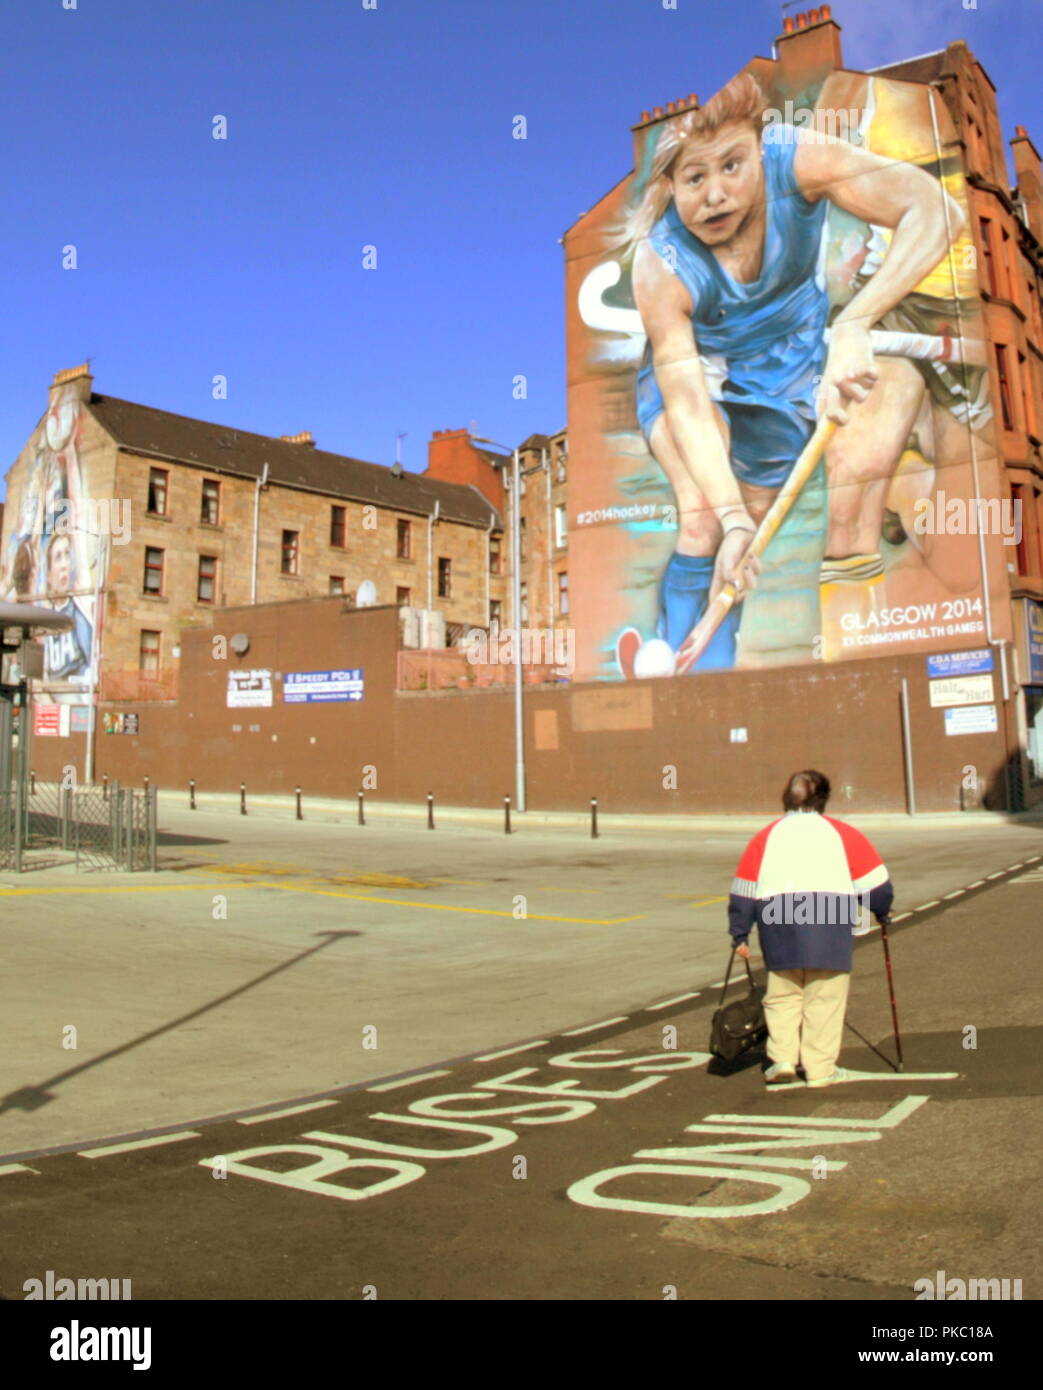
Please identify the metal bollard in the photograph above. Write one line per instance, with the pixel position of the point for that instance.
(362, 808)
(506, 815)
(105, 786)
(593, 818)
(242, 798)
(299, 816)
(32, 783)
(191, 793)
(430, 811)
(146, 786)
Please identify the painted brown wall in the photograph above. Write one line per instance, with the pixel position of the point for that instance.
(616, 742)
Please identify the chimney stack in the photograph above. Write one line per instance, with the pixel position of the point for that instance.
(1030, 188)
(809, 45)
(304, 437)
(79, 377)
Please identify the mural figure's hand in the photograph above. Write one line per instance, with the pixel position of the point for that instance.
(732, 565)
(850, 372)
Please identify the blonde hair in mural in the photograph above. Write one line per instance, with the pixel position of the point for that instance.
(740, 100)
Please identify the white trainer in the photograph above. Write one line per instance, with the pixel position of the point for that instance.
(834, 1079)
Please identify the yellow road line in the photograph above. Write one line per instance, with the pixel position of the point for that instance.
(704, 902)
(453, 907)
(118, 888)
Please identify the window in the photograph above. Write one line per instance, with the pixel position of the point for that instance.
(1025, 382)
(561, 527)
(405, 540)
(148, 653)
(210, 510)
(1006, 271)
(495, 612)
(1005, 399)
(1022, 550)
(291, 552)
(403, 597)
(521, 540)
(337, 522)
(336, 583)
(157, 491)
(207, 584)
(153, 583)
(524, 602)
(445, 577)
(986, 253)
(495, 553)
(563, 454)
(563, 594)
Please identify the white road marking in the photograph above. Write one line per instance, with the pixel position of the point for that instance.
(15, 1168)
(408, 1080)
(592, 1027)
(510, 1051)
(998, 874)
(957, 894)
(977, 883)
(288, 1110)
(1014, 867)
(679, 999)
(901, 917)
(924, 906)
(138, 1144)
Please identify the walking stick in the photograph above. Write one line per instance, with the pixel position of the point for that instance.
(891, 991)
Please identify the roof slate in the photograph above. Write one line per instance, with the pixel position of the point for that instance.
(220, 449)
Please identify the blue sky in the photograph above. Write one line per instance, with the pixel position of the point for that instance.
(350, 127)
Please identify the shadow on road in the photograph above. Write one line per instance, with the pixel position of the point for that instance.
(35, 1097)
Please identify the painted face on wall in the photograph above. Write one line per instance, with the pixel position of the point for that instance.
(59, 566)
(718, 181)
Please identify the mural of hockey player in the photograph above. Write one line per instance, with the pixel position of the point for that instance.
(67, 655)
(726, 240)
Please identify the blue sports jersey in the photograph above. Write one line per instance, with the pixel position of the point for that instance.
(770, 332)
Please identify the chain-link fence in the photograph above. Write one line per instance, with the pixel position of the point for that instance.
(96, 827)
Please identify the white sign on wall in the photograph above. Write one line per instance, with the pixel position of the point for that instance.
(249, 689)
(961, 690)
(975, 719)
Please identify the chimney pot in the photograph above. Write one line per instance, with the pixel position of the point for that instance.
(802, 21)
(826, 12)
(657, 112)
(787, 25)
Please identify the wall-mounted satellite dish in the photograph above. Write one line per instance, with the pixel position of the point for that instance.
(367, 594)
(240, 644)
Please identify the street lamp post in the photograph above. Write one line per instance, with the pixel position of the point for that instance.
(519, 722)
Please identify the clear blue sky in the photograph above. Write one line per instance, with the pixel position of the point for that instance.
(349, 127)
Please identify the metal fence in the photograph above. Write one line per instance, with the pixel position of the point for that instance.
(96, 827)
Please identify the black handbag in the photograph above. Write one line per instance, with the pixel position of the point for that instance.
(740, 1026)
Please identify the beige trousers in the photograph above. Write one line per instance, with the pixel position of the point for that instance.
(804, 1010)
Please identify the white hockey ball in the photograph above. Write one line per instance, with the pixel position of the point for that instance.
(654, 658)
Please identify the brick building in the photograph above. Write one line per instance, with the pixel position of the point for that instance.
(140, 523)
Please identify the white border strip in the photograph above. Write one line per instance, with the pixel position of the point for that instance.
(138, 1144)
(678, 999)
(289, 1110)
(593, 1027)
(408, 1081)
(511, 1051)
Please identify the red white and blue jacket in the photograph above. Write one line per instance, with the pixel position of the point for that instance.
(802, 880)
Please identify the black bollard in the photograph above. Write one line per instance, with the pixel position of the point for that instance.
(362, 808)
(32, 783)
(430, 811)
(299, 816)
(105, 786)
(242, 798)
(593, 818)
(192, 794)
(506, 815)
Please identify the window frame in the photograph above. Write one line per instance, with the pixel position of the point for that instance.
(161, 567)
(294, 550)
(154, 473)
(205, 520)
(201, 578)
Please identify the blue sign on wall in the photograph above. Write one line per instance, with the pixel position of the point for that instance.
(1034, 640)
(312, 687)
(974, 663)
